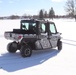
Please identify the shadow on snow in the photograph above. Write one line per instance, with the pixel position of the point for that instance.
(13, 62)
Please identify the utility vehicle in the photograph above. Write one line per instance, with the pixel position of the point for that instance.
(33, 35)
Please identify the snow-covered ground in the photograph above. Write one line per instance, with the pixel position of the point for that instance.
(49, 62)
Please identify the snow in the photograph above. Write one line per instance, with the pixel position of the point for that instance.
(48, 62)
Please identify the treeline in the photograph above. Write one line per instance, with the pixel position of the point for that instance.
(34, 16)
(41, 15)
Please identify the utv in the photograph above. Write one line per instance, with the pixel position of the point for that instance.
(33, 35)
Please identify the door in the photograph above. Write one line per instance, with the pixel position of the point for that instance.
(44, 37)
(54, 35)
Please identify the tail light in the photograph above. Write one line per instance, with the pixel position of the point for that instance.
(19, 37)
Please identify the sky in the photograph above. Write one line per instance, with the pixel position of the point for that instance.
(30, 7)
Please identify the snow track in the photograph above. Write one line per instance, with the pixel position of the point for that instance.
(69, 42)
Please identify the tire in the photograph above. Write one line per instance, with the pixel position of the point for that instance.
(12, 47)
(26, 51)
(59, 45)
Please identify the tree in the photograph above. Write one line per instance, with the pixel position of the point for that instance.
(41, 14)
(70, 7)
(45, 14)
(14, 17)
(51, 13)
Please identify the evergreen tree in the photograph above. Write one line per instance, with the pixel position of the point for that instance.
(51, 13)
(45, 14)
(41, 14)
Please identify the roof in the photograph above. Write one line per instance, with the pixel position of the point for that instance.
(37, 20)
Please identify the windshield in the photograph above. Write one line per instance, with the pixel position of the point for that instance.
(27, 25)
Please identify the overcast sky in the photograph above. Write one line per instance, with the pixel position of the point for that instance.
(20, 7)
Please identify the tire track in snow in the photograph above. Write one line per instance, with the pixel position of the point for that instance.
(69, 42)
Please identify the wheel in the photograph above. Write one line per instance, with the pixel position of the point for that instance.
(26, 51)
(59, 45)
(12, 47)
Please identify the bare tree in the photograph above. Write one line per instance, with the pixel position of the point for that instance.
(75, 11)
(70, 7)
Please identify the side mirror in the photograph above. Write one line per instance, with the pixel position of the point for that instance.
(59, 33)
